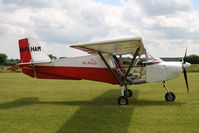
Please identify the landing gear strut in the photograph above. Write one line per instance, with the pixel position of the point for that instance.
(169, 96)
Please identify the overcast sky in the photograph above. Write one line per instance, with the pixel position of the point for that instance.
(166, 26)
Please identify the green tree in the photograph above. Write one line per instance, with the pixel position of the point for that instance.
(3, 58)
(193, 59)
(52, 56)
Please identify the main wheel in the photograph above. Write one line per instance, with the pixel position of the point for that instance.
(122, 100)
(170, 96)
(128, 93)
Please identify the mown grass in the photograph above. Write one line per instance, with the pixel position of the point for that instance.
(62, 106)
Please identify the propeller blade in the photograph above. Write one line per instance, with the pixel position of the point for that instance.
(186, 81)
(185, 56)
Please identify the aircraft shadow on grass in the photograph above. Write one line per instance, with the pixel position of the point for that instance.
(101, 114)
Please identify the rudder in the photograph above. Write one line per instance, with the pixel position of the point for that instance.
(24, 50)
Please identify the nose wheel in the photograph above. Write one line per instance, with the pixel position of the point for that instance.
(169, 96)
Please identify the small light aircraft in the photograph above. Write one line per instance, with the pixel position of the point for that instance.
(104, 64)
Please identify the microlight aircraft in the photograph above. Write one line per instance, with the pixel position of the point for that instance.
(104, 64)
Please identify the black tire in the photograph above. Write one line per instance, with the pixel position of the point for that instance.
(128, 93)
(170, 96)
(122, 100)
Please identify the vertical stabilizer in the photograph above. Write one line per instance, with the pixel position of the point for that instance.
(31, 51)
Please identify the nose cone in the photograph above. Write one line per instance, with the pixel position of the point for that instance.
(186, 64)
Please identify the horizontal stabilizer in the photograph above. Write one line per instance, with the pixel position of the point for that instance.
(15, 67)
(32, 63)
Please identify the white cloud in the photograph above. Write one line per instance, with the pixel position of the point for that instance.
(160, 7)
(164, 25)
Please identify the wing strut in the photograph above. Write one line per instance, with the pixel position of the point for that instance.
(104, 60)
(132, 62)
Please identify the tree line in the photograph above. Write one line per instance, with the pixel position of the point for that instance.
(193, 59)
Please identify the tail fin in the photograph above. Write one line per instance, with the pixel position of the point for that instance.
(31, 51)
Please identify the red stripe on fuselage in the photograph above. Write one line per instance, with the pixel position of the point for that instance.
(57, 72)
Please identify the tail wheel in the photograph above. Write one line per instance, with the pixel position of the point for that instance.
(122, 100)
(128, 93)
(170, 96)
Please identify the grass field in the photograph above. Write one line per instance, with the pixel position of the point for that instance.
(30, 105)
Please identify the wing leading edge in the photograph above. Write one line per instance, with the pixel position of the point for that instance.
(114, 47)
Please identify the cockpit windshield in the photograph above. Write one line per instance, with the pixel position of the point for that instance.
(151, 60)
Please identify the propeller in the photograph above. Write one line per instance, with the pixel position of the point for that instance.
(184, 65)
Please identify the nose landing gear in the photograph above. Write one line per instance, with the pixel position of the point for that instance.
(169, 96)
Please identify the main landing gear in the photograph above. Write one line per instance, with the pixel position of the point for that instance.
(169, 96)
(123, 99)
